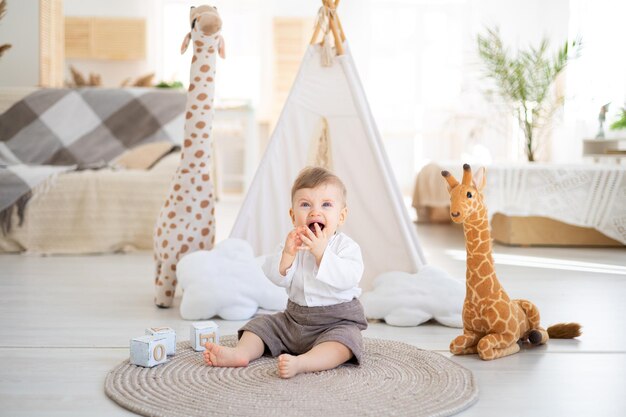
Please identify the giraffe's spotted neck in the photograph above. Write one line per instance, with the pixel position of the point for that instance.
(481, 276)
(199, 112)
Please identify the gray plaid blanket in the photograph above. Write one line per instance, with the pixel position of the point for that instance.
(57, 130)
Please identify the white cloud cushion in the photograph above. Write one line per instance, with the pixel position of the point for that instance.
(403, 299)
(227, 282)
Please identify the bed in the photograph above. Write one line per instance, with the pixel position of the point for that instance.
(89, 168)
(540, 203)
(93, 211)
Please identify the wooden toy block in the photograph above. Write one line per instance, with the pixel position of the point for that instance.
(148, 351)
(202, 332)
(170, 335)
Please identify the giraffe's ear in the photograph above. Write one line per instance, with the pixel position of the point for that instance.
(480, 179)
(221, 48)
(185, 44)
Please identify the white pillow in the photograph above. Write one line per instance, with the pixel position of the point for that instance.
(227, 282)
(404, 299)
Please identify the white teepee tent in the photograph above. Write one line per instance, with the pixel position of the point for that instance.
(327, 121)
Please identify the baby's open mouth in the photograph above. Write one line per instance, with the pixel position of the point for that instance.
(312, 226)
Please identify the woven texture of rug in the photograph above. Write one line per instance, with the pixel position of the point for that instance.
(394, 379)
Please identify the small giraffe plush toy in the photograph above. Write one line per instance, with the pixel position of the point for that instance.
(493, 325)
(186, 222)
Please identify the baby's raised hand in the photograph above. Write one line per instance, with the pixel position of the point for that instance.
(315, 242)
(293, 243)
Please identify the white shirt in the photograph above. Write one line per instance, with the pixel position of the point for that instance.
(335, 281)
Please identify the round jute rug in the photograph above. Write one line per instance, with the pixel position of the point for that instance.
(395, 379)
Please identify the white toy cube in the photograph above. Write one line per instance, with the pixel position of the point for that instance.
(148, 351)
(202, 332)
(169, 334)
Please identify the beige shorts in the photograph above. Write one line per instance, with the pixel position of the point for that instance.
(298, 328)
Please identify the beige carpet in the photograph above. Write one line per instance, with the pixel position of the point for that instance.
(395, 379)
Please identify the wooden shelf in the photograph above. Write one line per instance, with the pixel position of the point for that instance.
(105, 38)
(604, 148)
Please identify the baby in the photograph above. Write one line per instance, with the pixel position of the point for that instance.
(321, 270)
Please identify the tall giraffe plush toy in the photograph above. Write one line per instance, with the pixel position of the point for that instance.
(186, 222)
(493, 325)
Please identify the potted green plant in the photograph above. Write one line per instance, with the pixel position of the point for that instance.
(524, 80)
(620, 122)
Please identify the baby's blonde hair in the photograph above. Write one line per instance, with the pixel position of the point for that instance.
(312, 177)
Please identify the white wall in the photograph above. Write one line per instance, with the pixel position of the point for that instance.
(19, 66)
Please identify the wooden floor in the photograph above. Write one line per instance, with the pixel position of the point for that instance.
(65, 321)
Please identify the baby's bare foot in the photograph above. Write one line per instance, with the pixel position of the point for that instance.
(288, 366)
(223, 356)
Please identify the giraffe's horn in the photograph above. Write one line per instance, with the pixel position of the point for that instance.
(452, 182)
(467, 175)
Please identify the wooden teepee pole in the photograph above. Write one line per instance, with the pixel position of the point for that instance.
(335, 26)
(343, 35)
(316, 32)
(335, 30)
